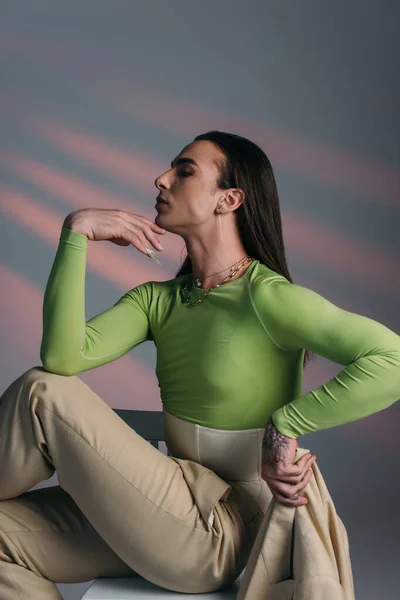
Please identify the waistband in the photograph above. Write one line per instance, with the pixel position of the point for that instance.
(234, 455)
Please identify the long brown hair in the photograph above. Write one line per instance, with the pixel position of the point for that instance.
(247, 167)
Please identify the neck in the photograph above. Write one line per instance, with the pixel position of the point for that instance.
(209, 255)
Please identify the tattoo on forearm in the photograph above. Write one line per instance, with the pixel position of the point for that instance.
(274, 445)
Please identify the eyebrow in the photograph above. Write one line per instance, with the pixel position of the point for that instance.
(182, 161)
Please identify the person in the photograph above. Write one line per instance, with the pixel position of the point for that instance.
(233, 333)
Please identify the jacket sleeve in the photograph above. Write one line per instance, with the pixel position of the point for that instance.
(296, 317)
(69, 344)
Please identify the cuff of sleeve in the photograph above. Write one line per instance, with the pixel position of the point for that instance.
(73, 238)
(280, 421)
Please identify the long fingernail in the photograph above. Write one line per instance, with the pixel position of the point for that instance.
(153, 255)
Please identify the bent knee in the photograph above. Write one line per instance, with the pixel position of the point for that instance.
(39, 373)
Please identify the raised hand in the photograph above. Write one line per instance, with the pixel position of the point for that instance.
(116, 226)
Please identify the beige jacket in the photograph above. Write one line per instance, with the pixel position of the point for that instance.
(300, 553)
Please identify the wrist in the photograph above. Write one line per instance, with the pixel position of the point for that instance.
(271, 428)
(76, 223)
(274, 444)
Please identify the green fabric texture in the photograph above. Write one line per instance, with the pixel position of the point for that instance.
(234, 361)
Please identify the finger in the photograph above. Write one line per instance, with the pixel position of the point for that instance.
(145, 226)
(297, 477)
(302, 463)
(287, 489)
(156, 228)
(299, 468)
(286, 466)
(287, 477)
(291, 474)
(152, 238)
(137, 239)
(145, 236)
(284, 489)
(305, 482)
(290, 480)
(296, 501)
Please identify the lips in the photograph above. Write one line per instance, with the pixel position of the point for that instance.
(161, 200)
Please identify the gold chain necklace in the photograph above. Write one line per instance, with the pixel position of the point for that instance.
(198, 281)
(185, 292)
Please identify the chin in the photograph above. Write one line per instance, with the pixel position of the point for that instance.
(161, 223)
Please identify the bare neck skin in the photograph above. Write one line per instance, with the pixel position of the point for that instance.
(209, 254)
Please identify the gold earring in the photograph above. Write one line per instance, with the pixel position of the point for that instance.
(220, 227)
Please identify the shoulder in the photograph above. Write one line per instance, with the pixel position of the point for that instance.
(289, 311)
(279, 295)
(165, 289)
(262, 277)
(146, 293)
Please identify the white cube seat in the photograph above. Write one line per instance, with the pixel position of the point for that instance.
(138, 588)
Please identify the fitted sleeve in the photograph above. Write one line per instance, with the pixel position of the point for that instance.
(296, 317)
(69, 344)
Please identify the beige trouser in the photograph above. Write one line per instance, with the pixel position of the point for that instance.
(121, 507)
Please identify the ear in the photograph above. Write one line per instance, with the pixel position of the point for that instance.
(233, 199)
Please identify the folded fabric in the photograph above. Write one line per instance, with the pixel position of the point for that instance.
(300, 553)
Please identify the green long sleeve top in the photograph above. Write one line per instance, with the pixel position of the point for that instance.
(234, 361)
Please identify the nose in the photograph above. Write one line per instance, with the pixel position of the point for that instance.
(160, 181)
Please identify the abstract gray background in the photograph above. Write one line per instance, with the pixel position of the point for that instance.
(96, 99)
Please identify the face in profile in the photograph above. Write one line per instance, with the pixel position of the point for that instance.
(187, 191)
